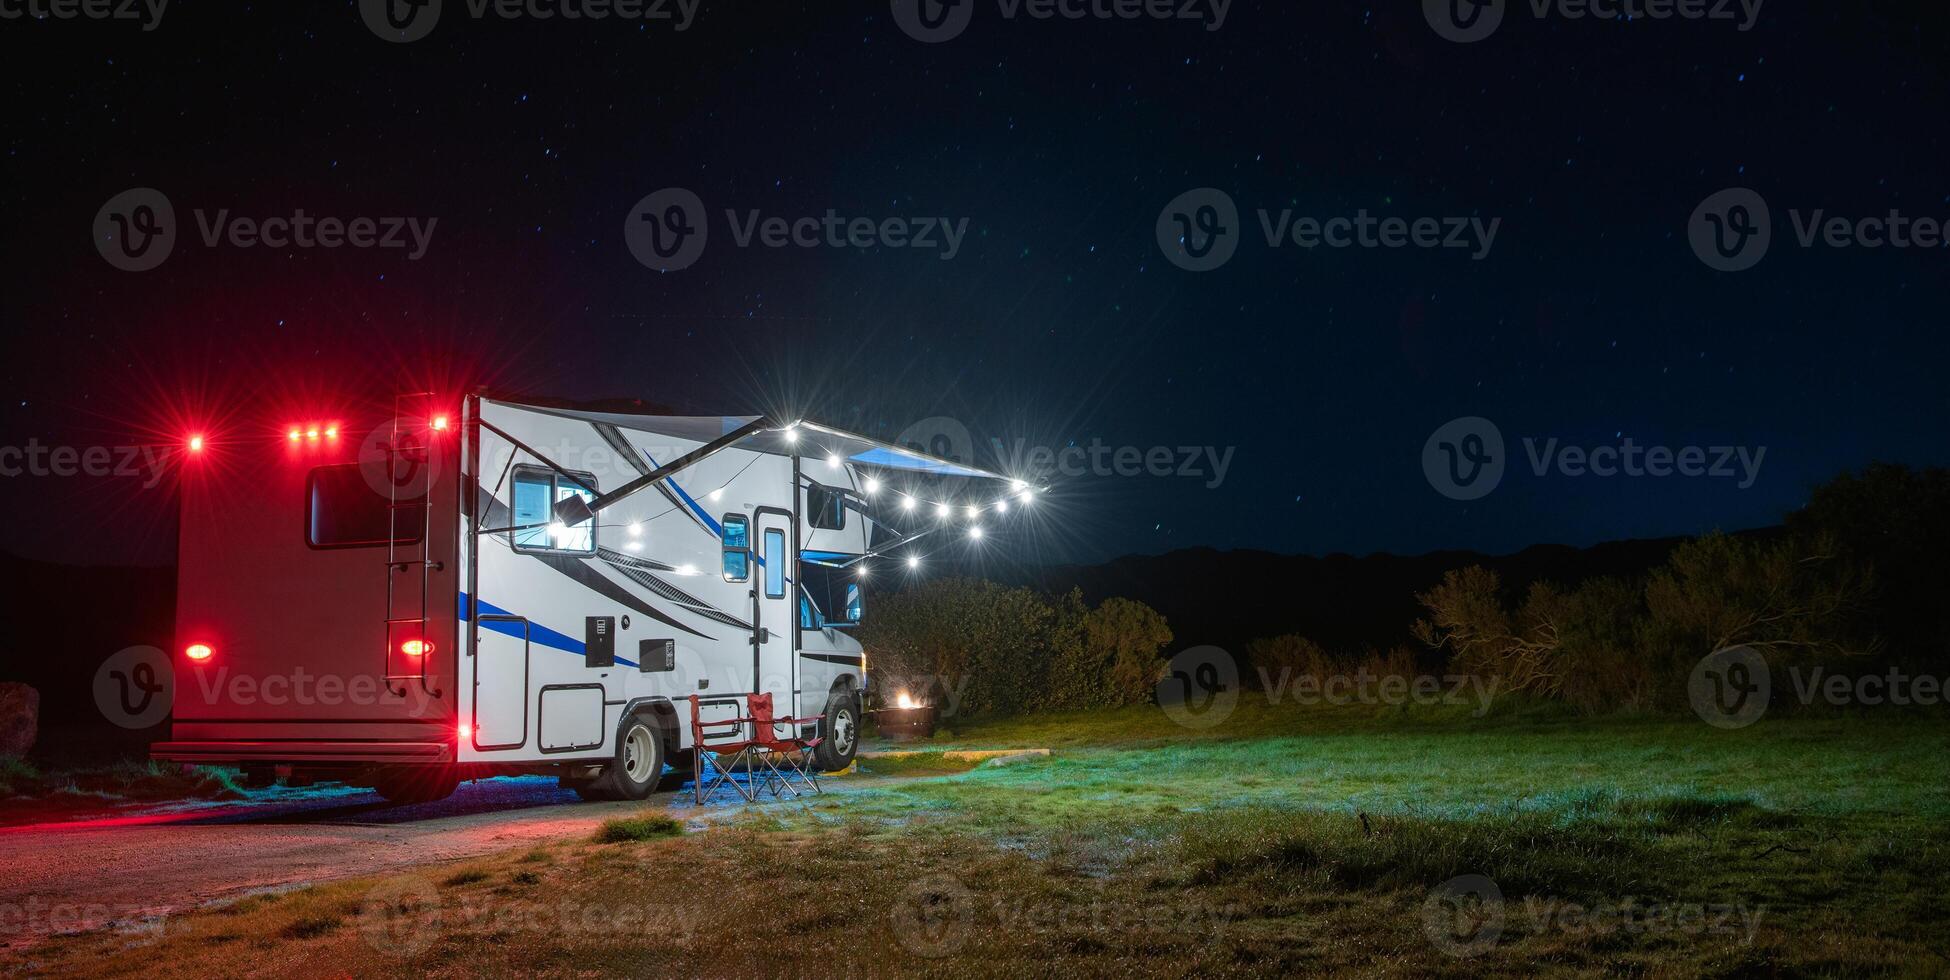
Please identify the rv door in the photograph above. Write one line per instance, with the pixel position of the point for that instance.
(775, 623)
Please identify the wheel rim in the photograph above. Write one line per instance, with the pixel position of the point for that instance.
(637, 754)
(843, 731)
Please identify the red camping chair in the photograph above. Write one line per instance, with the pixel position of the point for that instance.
(725, 742)
(795, 752)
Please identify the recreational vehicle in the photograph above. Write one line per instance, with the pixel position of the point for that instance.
(479, 587)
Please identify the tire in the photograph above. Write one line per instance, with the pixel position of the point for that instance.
(404, 785)
(839, 731)
(637, 767)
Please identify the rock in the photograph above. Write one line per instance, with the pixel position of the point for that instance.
(20, 718)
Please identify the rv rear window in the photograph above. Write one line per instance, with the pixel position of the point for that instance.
(344, 510)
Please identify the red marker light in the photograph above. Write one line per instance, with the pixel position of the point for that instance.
(415, 648)
(196, 444)
(466, 730)
(311, 433)
(332, 433)
(198, 651)
(440, 423)
(293, 435)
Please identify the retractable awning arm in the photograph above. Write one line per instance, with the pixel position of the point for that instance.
(573, 510)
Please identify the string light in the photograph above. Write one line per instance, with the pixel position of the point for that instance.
(943, 511)
(909, 503)
(975, 533)
(833, 460)
(873, 486)
(914, 561)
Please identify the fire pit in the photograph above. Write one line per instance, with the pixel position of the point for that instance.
(908, 719)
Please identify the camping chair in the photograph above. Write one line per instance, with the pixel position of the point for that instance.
(795, 752)
(725, 742)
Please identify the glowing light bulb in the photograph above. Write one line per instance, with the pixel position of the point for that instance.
(833, 460)
(974, 512)
(1024, 499)
(975, 533)
(1018, 486)
(909, 503)
(943, 511)
(792, 433)
(914, 561)
(873, 486)
(196, 444)
(636, 529)
(1002, 507)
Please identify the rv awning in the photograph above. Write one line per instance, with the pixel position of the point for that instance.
(803, 438)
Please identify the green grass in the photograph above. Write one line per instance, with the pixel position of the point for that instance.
(1285, 841)
(622, 830)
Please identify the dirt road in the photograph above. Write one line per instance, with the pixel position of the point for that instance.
(130, 869)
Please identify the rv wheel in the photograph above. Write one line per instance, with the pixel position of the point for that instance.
(416, 784)
(839, 732)
(638, 765)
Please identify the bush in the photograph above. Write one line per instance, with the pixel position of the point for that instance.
(974, 647)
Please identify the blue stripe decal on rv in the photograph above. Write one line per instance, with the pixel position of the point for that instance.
(537, 633)
(715, 527)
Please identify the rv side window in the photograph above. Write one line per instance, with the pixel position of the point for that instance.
(774, 559)
(536, 490)
(737, 548)
(826, 507)
(342, 510)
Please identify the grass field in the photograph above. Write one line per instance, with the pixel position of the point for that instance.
(1287, 840)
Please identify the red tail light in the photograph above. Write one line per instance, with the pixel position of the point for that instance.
(196, 444)
(415, 648)
(440, 423)
(198, 651)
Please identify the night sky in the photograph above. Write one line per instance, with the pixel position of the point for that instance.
(1060, 319)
